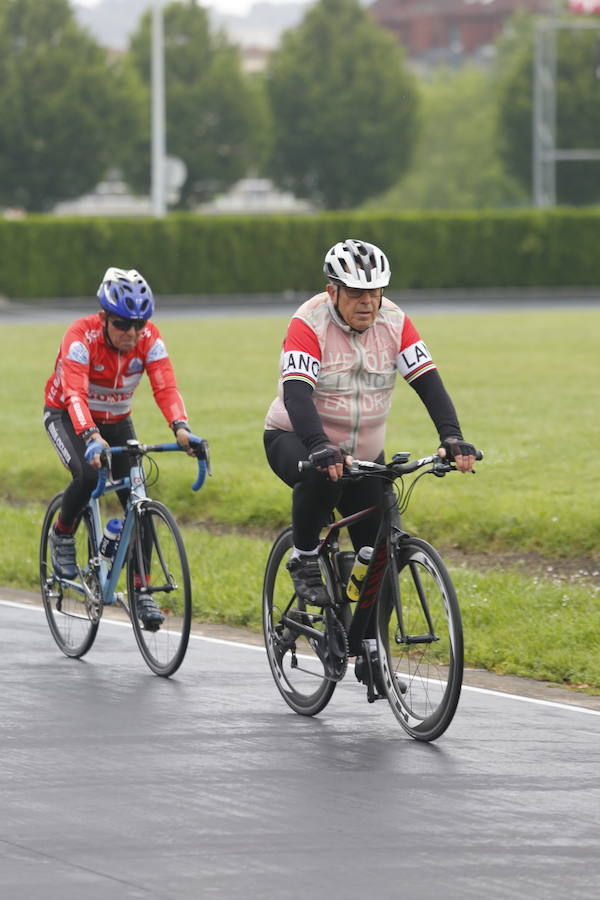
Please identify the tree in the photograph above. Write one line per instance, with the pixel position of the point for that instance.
(456, 163)
(344, 107)
(217, 118)
(577, 109)
(59, 101)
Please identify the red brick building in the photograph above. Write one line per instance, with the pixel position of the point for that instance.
(435, 31)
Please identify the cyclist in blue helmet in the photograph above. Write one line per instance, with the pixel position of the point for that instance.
(126, 294)
(88, 398)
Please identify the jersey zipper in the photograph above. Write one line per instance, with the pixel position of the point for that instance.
(116, 378)
(355, 338)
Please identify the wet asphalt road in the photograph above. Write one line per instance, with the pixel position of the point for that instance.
(416, 303)
(117, 784)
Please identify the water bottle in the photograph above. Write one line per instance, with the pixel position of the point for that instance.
(359, 570)
(110, 539)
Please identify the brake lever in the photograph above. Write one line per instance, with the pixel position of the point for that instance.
(441, 467)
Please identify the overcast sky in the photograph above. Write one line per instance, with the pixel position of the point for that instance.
(232, 7)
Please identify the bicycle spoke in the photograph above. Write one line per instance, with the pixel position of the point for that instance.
(422, 656)
(296, 659)
(158, 569)
(73, 613)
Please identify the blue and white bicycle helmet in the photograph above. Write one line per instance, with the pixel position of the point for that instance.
(356, 264)
(126, 294)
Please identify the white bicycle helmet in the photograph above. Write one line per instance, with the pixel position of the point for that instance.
(356, 264)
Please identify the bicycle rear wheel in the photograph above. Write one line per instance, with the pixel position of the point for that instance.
(295, 660)
(73, 618)
(420, 644)
(158, 566)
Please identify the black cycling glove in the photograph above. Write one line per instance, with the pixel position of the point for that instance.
(179, 423)
(458, 447)
(325, 455)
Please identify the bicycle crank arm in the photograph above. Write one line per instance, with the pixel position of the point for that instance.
(298, 628)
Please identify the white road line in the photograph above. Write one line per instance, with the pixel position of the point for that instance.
(555, 703)
(466, 687)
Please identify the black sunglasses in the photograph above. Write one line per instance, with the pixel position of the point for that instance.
(356, 293)
(126, 324)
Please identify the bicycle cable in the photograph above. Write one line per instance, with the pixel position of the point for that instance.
(150, 477)
(405, 493)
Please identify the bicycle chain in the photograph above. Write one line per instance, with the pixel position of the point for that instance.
(94, 607)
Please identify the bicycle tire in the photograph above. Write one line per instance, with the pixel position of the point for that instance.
(304, 687)
(72, 620)
(423, 679)
(157, 564)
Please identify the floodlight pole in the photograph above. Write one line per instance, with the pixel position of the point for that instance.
(545, 154)
(159, 144)
(544, 116)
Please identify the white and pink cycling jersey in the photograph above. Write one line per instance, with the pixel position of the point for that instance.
(352, 373)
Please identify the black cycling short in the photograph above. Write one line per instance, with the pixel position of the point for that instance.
(315, 496)
(71, 450)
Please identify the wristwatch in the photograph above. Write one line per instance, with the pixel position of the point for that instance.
(86, 435)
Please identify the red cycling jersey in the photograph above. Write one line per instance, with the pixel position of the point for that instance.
(95, 382)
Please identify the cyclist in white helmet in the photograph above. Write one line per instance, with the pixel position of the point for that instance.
(341, 355)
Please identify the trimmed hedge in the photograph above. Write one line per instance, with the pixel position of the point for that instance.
(186, 254)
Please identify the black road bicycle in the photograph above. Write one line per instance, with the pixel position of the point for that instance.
(405, 630)
(150, 551)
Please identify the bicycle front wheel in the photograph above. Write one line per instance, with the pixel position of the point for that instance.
(73, 615)
(296, 661)
(157, 568)
(420, 642)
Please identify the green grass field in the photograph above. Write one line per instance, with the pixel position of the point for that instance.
(526, 389)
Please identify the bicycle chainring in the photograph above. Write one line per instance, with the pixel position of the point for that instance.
(93, 606)
(336, 647)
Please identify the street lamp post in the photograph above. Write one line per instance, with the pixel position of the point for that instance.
(159, 146)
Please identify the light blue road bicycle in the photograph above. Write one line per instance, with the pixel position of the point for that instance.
(150, 554)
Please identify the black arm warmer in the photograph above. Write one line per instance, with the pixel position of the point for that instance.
(434, 395)
(297, 397)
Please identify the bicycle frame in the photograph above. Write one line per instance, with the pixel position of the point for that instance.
(135, 483)
(383, 556)
(405, 631)
(357, 626)
(108, 578)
